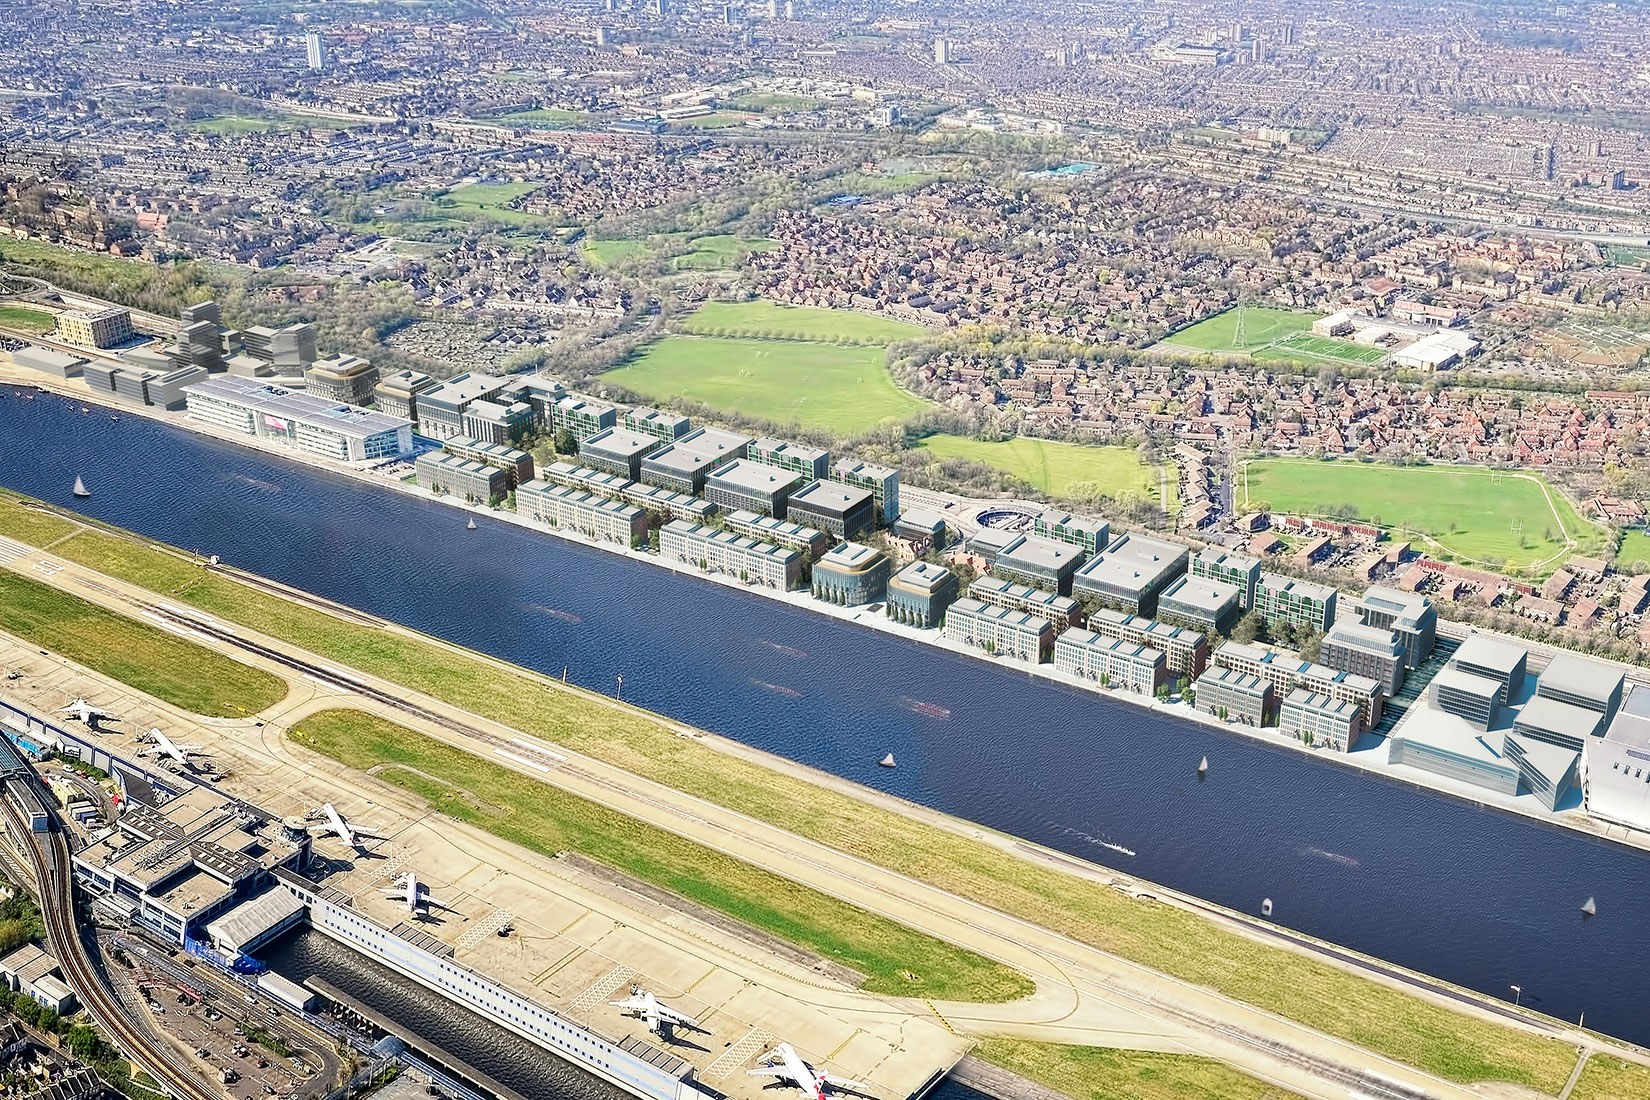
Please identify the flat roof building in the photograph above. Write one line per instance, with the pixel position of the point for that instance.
(596, 517)
(713, 551)
(397, 394)
(813, 463)
(1320, 719)
(1035, 560)
(1469, 757)
(1590, 684)
(663, 502)
(851, 574)
(1062, 611)
(1129, 574)
(347, 379)
(1285, 672)
(882, 481)
(1474, 699)
(919, 594)
(1548, 771)
(1110, 662)
(502, 422)
(581, 418)
(1243, 573)
(922, 527)
(1187, 650)
(1088, 534)
(1301, 605)
(618, 451)
(809, 541)
(1367, 651)
(1409, 616)
(449, 475)
(298, 420)
(1500, 661)
(746, 485)
(844, 510)
(715, 441)
(1235, 696)
(441, 408)
(518, 464)
(1618, 765)
(1206, 605)
(1000, 631)
(96, 328)
(680, 469)
(663, 426)
(47, 361)
(1557, 723)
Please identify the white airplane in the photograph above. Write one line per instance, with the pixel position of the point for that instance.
(643, 1005)
(333, 822)
(162, 745)
(785, 1064)
(415, 894)
(87, 713)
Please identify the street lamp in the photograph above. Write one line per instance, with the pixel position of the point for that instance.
(619, 693)
(1518, 993)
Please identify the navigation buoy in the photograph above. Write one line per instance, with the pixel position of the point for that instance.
(887, 761)
(471, 526)
(1266, 907)
(1589, 908)
(80, 489)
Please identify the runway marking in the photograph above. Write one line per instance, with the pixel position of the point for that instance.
(526, 744)
(522, 760)
(738, 1054)
(602, 988)
(48, 567)
(489, 924)
(11, 550)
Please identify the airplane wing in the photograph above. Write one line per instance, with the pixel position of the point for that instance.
(680, 1018)
(631, 1004)
(837, 1081)
(769, 1071)
(398, 895)
(432, 902)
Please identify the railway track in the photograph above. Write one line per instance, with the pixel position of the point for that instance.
(54, 873)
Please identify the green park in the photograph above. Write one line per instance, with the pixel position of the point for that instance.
(1477, 515)
(1070, 471)
(1269, 335)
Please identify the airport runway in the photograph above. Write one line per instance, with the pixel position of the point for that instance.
(1083, 995)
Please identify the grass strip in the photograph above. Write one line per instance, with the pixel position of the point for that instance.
(1300, 987)
(1607, 1077)
(895, 959)
(1099, 1073)
(170, 668)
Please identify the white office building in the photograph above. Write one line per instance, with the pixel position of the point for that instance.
(250, 406)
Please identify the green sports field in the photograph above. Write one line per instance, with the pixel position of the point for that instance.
(34, 322)
(770, 320)
(845, 390)
(1478, 515)
(1270, 335)
(1066, 470)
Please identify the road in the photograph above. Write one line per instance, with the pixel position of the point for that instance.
(1083, 995)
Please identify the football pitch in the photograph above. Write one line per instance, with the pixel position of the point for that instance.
(1269, 335)
(845, 390)
(1481, 516)
(1068, 470)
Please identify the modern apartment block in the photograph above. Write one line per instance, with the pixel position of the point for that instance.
(880, 480)
(348, 379)
(809, 541)
(1310, 715)
(618, 451)
(726, 446)
(1299, 604)
(812, 463)
(450, 475)
(746, 485)
(502, 421)
(1088, 534)
(1110, 661)
(1031, 559)
(1286, 673)
(663, 426)
(846, 511)
(1500, 661)
(1365, 651)
(1230, 694)
(593, 516)
(518, 464)
(680, 469)
(1187, 650)
(851, 574)
(1000, 630)
(1409, 616)
(581, 418)
(919, 594)
(1062, 611)
(317, 427)
(397, 395)
(1242, 573)
(1130, 573)
(1206, 605)
(664, 502)
(1590, 685)
(441, 408)
(98, 328)
(1474, 699)
(713, 551)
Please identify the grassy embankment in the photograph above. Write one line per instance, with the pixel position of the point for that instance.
(895, 959)
(149, 659)
(1095, 1073)
(1300, 987)
(1476, 514)
(1607, 1077)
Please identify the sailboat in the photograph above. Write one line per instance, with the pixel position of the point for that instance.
(1589, 908)
(80, 489)
(887, 761)
(1203, 767)
(471, 526)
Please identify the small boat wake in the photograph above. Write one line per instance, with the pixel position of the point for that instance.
(777, 689)
(262, 486)
(927, 710)
(1098, 842)
(557, 613)
(787, 650)
(1333, 857)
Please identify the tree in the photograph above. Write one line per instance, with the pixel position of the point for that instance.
(1162, 693)
(567, 443)
(1248, 628)
(1189, 694)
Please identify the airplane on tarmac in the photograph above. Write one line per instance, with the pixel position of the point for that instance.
(162, 745)
(415, 894)
(87, 713)
(331, 821)
(643, 1005)
(786, 1065)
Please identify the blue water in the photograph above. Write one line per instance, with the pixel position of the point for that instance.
(1476, 896)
